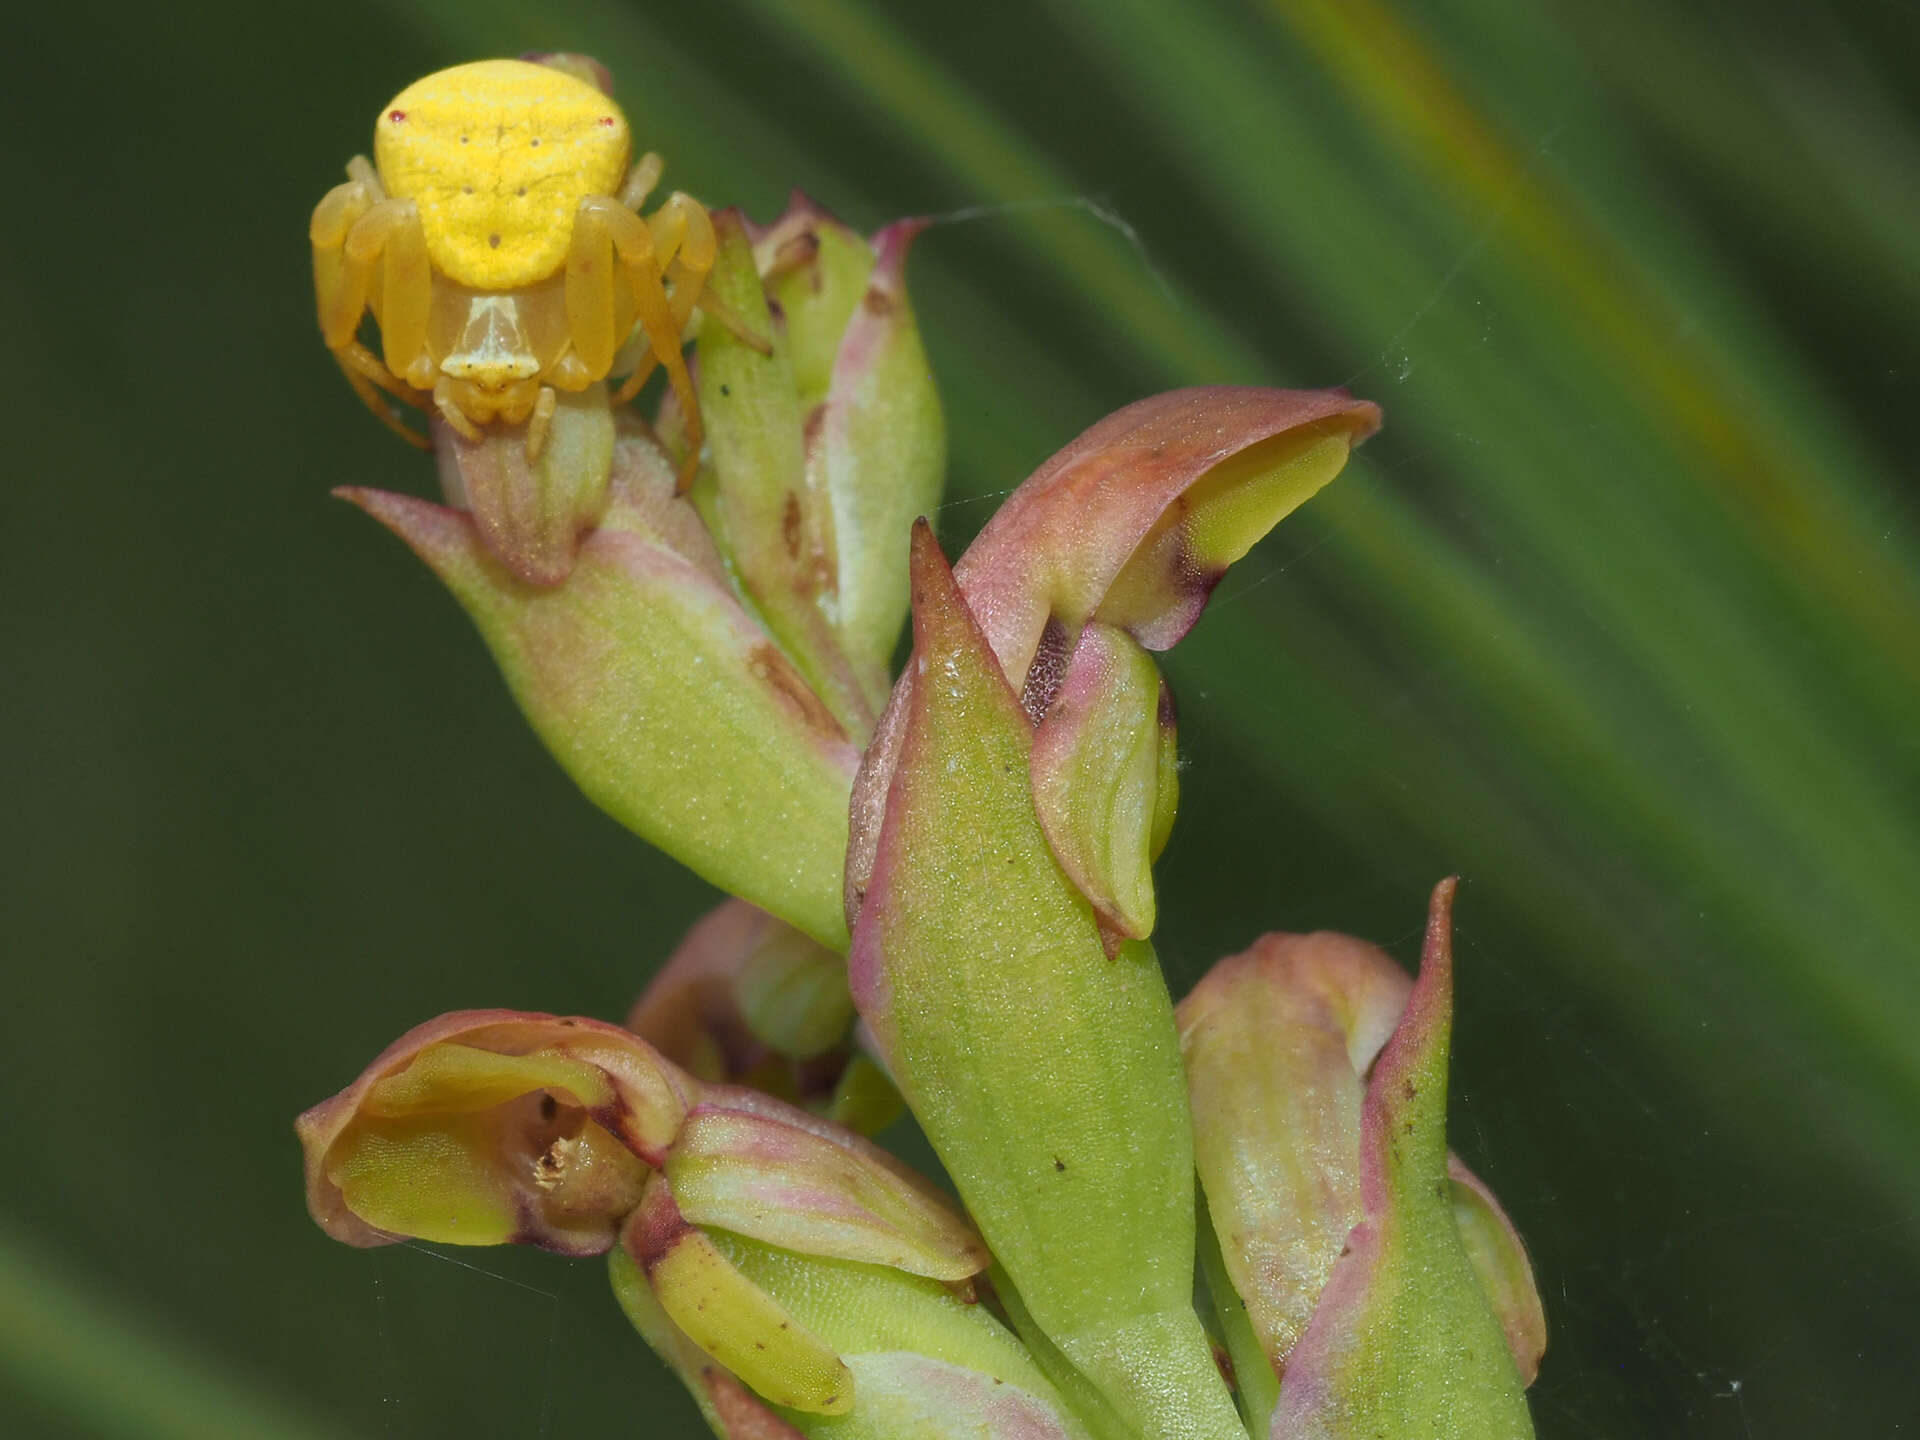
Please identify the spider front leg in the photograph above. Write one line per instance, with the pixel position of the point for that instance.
(603, 228)
(683, 236)
(684, 242)
(355, 228)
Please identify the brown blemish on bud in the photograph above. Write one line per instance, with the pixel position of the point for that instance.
(776, 672)
(790, 525)
(877, 302)
(795, 254)
(1223, 1362)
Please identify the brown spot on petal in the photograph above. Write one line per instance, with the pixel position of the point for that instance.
(877, 302)
(775, 671)
(790, 525)
(802, 250)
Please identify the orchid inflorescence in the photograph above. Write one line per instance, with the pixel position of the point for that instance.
(1233, 1216)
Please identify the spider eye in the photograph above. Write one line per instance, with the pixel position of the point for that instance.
(396, 116)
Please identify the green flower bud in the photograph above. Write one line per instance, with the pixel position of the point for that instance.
(747, 999)
(1382, 1285)
(820, 453)
(495, 1126)
(919, 1358)
(659, 693)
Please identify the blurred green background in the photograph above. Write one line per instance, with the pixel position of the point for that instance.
(1620, 618)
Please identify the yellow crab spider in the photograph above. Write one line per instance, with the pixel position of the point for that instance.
(499, 246)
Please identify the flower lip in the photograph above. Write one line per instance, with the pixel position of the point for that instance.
(641, 1106)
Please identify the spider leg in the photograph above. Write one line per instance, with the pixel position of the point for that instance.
(351, 231)
(632, 241)
(683, 232)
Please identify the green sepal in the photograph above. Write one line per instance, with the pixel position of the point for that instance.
(659, 694)
(875, 434)
(929, 1363)
(1500, 1263)
(728, 1316)
(1256, 1385)
(926, 1362)
(815, 270)
(792, 994)
(1099, 762)
(774, 519)
(865, 1100)
(769, 1172)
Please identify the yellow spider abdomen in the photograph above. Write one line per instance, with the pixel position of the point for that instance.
(498, 156)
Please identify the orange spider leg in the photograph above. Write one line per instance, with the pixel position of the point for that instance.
(601, 220)
(447, 402)
(364, 373)
(641, 180)
(342, 276)
(683, 234)
(539, 420)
